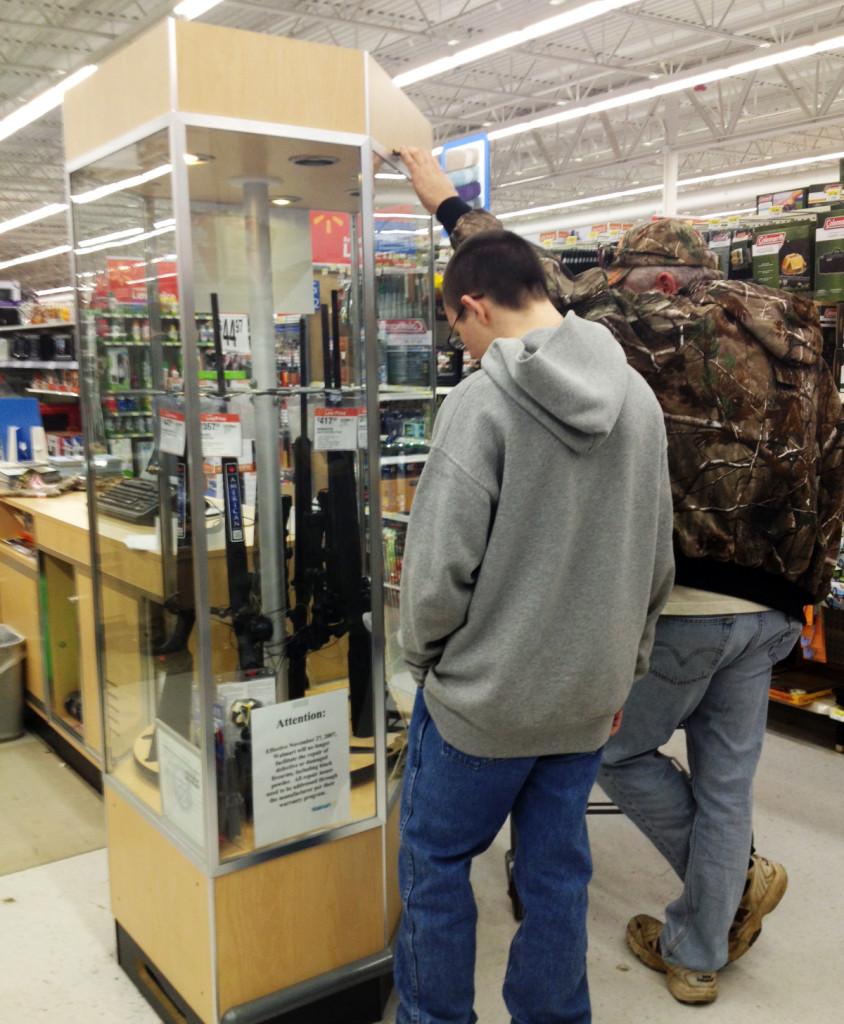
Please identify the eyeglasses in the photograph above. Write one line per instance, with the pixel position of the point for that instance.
(453, 339)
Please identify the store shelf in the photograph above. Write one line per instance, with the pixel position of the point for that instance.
(131, 412)
(401, 460)
(27, 364)
(60, 396)
(397, 393)
(36, 327)
(117, 437)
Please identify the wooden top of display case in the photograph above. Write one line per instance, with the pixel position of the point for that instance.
(207, 70)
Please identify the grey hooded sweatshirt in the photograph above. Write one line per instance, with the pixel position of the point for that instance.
(538, 555)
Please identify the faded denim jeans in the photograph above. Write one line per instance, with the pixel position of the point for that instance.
(453, 806)
(711, 673)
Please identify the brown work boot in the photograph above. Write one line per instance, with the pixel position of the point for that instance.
(686, 986)
(766, 885)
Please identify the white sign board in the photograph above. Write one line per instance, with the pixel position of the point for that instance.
(300, 766)
(222, 435)
(337, 430)
(234, 332)
(172, 426)
(180, 776)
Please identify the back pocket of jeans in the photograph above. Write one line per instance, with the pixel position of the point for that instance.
(467, 760)
(683, 653)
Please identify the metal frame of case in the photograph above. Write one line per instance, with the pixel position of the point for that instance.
(208, 861)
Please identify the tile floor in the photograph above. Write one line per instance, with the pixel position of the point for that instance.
(57, 943)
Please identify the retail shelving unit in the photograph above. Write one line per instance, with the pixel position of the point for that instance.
(253, 871)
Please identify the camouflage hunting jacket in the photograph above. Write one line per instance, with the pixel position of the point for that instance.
(754, 424)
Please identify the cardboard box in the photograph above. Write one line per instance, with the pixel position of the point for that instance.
(720, 243)
(783, 254)
(829, 259)
(741, 255)
(782, 202)
(822, 195)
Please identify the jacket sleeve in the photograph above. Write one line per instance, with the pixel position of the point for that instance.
(445, 546)
(830, 447)
(663, 575)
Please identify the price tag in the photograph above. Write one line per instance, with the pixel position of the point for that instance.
(363, 431)
(172, 426)
(234, 332)
(336, 430)
(221, 434)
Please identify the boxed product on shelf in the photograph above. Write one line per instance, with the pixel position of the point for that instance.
(782, 202)
(65, 442)
(118, 369)
(741, 255)
(783, 253)
(820, 195)
(720, 242)
(829, 259)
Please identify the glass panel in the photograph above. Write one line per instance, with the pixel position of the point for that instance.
(131, 367)
(407, 391)
(283, 431)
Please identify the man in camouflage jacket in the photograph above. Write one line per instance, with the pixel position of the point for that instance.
(756, 453)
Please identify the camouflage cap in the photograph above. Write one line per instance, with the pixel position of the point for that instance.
(660, 243)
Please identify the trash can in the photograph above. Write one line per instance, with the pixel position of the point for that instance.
(12, 653)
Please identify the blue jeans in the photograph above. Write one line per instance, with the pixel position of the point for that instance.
(453, 806)
(711, 673)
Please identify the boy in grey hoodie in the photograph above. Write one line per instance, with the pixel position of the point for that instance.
(537, 561)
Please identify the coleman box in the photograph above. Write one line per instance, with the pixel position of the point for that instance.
(829, 259)
(783, 254)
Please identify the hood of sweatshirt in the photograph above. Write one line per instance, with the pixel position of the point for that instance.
(573, 379)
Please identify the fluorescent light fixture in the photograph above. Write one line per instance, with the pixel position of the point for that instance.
(672, 86)
(525, 181)
(643, 190)
(43, 104)
(55, 291)
(763, 168)
(113, 237)
(384, 176)
(576, 16)
(402, 216)
(29, 218)
(719, 213)
(92, 195)
(169, 222)
(193, 8)
(682, 183)
(45, 254)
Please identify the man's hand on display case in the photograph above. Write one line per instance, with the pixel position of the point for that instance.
(430, 181)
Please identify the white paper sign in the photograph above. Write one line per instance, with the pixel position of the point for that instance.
(336, 430)
(234, 332)
(221, 434)
(172, 432)
(180, 775)
(300, 766)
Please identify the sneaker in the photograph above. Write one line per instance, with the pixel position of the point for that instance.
(765, 887)
(686, 986)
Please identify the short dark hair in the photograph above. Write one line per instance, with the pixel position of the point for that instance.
(497, 264)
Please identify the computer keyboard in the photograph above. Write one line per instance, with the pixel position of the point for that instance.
(135, 501)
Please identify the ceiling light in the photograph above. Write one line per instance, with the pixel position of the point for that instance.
(522, 181)
(654, 75)
(194, 159)
(286, 200)
(722, 213)
(92, 195)
(402, 216)
(384, 176)
(43, 104)
(193, 8)
(29, 218)
(454, 42)
(169, 222)
(763, 168)
(764, 46)
(672, 86)
(576, 16)
(55, 291)
(531, 211)
(45, 254)
(486, 124)
(112, 237)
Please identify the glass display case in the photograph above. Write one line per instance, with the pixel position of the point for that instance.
(225, 383)
(255, 301)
